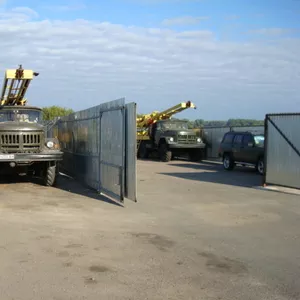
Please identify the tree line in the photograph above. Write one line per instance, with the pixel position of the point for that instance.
(51, 112)
(199, 123)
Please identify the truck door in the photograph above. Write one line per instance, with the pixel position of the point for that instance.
(158, 132)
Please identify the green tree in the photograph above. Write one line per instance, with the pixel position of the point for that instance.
(51, 112)
(244, 122)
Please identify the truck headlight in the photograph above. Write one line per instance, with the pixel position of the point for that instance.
(171, 139)
(50, 144)
(199, 140)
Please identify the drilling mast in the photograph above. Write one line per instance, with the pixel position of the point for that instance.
(15, 86)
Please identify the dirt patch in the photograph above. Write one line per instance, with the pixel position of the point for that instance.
(161, 242)
(74, 246)
(90, 280)
(52, 203)
(68, 264)
(63, 254)
(44, 237)
(99, 269)
(223, 264)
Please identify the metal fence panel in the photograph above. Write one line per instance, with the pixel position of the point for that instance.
(212, 137)
(282, 148)
(130, 150)
(94, 146)
(112, 148)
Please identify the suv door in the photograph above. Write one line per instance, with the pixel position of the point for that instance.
(248, 151)
(237, 147)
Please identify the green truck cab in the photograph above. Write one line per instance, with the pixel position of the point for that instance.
(24, 147)
(172, 138)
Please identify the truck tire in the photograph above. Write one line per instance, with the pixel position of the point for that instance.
(143, 152)
(164, 153)
(228, 163)
(50, 175)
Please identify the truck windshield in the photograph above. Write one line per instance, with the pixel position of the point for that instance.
(259, 140)
(174, 125)
(21, 115)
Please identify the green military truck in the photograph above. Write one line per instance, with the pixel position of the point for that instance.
(24, 147)
(172, 138)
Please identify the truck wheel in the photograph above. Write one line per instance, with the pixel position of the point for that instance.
(164, 153)
(195, 156)
(228, 162)
(50, 175)
(143, 151)
(260, 166)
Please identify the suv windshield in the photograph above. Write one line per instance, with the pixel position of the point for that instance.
(174, 125)
(259, 140)
(21, 115)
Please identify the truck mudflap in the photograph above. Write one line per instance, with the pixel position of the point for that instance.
(31, 157)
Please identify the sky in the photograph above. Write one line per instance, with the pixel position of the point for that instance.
(232, 58)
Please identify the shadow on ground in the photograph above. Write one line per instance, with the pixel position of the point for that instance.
(71, 185)
(214, 173)
(64, 183)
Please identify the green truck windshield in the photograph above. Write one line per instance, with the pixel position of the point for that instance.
(174, 125)
(21, 115)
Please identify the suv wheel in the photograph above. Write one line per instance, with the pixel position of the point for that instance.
(260, 166)
(228, 162)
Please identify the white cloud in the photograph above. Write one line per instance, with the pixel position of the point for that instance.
(64, 8)
(232, 17)
(83, 63)
(274, 31)
(25, 11)
(184, 20)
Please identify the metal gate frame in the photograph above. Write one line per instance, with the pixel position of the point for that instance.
(80, 159)
(102, 162)
(269, 121)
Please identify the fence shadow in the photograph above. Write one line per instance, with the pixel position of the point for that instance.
(73, 186)
(214, 173)
(64, 183)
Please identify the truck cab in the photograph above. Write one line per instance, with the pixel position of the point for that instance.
(172, 138)
(24, 148)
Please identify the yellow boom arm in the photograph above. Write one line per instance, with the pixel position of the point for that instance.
(15, 85)
(147, 120)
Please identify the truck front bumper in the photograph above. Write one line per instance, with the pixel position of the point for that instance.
(186, 146)
(31, 157)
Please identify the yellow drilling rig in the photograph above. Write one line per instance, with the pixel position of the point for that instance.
(24, 148)
(158, 133)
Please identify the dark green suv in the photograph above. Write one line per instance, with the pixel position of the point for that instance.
(243, 148)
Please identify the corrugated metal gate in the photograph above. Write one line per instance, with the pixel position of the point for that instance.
(99, 147)
(282, 150)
